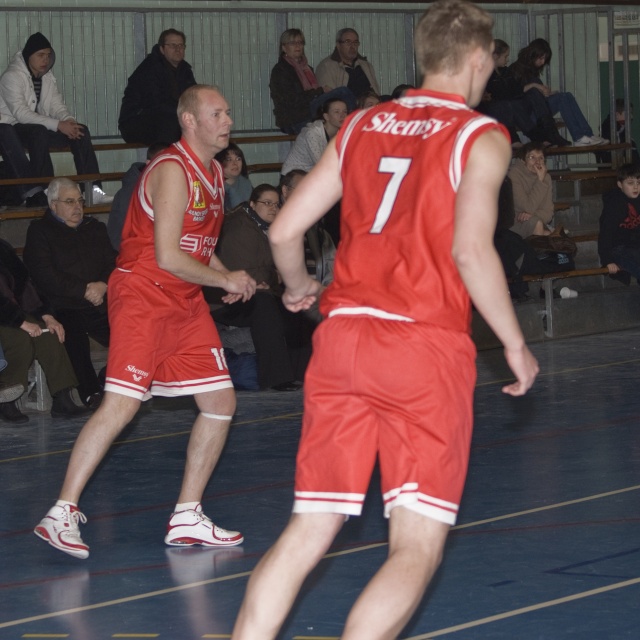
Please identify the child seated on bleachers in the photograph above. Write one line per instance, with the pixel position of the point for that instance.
(619, 238)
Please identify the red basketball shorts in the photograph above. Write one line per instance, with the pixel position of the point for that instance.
(161, 344)
(401, 392)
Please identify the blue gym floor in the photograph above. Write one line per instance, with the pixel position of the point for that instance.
(547, 545)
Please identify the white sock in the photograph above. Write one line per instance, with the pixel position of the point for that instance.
(62, 503)
(184, 506)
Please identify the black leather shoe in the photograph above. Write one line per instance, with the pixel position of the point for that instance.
(287, 386)
(9, 412)
(94, 400)
(64, 407)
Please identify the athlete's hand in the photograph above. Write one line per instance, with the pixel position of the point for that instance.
(240, 285)
(303, 298)
(525, 367)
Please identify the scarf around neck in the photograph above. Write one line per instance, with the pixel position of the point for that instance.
(305, 73)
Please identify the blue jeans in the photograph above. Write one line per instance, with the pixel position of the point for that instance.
(628, 258)
(566, 104)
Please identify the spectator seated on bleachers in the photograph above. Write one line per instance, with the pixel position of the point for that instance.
(295, 91)
(505, 101)
(345, 67)
(70, 258)
(32, 103)
(28, 331)
(532, 191)
(121, 200)
(281, 338)
(313, 139)
(620, 134)
(148, 111)
(368, 100)
(8, 392)
(619, 237)
(16, 164)
(237, 186)
(527, 70)
(319, 248)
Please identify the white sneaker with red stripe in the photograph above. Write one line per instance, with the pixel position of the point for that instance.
(60, 529)
(191, 527)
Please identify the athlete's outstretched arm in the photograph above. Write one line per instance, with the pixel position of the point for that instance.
(312, 198)
(476, 258)
(168, 193)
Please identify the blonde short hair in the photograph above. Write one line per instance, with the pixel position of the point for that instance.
(447, 31)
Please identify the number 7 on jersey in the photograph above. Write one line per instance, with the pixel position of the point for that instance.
(398, 168)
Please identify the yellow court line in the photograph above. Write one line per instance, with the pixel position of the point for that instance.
(149, 438)
(245, 574)
(529, 609)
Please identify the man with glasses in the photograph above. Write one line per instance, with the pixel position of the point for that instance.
(148, 110)
(345, 67)
(70, 259)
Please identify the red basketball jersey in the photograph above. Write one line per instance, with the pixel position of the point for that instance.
(200, 230)
(401, 164)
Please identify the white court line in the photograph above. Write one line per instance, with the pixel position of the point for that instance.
(533, 607)
(244, 574)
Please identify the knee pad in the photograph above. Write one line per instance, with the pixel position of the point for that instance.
(215, 416)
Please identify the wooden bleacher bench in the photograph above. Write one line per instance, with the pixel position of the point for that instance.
(596, 148)
(105, 146)
(577, 177)
(265, 167)
(119, 146)
(26, 214)
(85, 177)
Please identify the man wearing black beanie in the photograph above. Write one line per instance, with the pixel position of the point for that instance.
(31, 102)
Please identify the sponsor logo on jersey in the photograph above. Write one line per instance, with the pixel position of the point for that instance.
(191, 243)
(384, 122)
(138, 374)
(203, 245)
(198, 196)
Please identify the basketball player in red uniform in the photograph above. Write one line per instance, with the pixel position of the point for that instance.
(393, 371)
(164, 341)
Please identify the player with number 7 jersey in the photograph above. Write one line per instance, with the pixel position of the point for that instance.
(403, 162)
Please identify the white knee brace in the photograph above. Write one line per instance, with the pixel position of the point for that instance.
(215, 416)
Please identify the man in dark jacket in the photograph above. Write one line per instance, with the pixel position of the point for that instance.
(29, 331)
(148, 110)
(70, 259)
